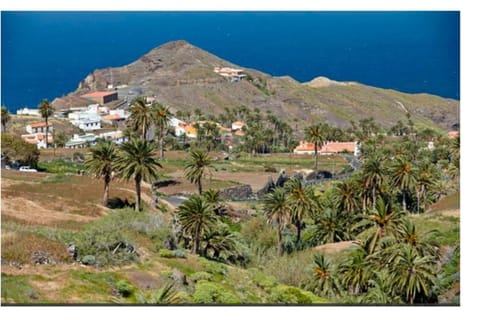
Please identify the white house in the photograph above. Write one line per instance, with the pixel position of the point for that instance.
(81, 141)
(27, 111)
(37, 139)
(39, 127)
(117, 137)
(237, 125)
(86, 121)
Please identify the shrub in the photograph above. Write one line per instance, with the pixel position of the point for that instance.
(214, 267)
(201, 276)
(124, 288)
(88, 260)
(208, 292)
(180, 253)
(288, 294)
(270, 168)
(165, 253)
(262, 280)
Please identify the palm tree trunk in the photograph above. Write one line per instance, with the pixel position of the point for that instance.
(196, 240)
(418, 202)
(374, 198)
(316, 156)
(138, 188)
(200, 186)
(46, 132)
(160, 140)
(106, 192)
(279, 245)
(298, 225)
(404, 200)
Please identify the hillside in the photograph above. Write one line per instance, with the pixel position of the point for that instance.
(182, 76)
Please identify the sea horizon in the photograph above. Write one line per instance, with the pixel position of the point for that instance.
(46, 54)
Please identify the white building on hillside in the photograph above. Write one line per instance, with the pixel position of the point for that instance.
(27, 111)
(87, 121)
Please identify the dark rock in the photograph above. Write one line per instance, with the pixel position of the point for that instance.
(282, 179)
(72, 251)
(242, 192)
(170, 243)
(179, 277)
(41, 258)
(269, 186)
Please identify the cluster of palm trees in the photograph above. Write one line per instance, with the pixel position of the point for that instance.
(393, 263)
(133, 160)
(206, 232)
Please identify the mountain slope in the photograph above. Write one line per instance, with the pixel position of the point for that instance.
(182, 76)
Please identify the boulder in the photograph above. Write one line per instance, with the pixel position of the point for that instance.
(269, 186)
(242, 192)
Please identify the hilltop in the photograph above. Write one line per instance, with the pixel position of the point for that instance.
(183, 77)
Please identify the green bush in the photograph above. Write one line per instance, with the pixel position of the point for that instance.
(124, 288)
(289, 294)
(180, 253)
(262, 280)
(88, 260)
(208, 292)
(214, 268)
(201, 276)
(270, 168)
(165, 253)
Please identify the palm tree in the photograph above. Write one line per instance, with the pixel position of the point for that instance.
(302, 202)
(197, 165)
(5, 118)
(326, 283)
(196, 217)
(161, 116)
(344, 196)
(427, 176)
(413, 274)
(165, 295)
(404, 177)
(46, 111)
(329, 227)
(355, 270)
(100, 161)
(317, 136)
(223, 242)
(373, 175)
(382, 222)
(141, 116)
(277, 211)
(136, 160)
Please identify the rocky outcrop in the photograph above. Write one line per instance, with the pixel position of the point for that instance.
(242, 192)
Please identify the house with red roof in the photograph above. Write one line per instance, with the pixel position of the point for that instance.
(37, 139)
(101, 97)
(328, 149)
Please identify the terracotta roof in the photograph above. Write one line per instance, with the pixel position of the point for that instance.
(113, 117)
(330, 147)
(338, 147)
(97, 94)
(39, 124)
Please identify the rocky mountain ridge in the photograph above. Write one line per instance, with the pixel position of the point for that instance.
(182, 76)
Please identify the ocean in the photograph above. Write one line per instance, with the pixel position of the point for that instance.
(46, 54)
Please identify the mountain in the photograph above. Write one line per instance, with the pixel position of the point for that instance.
(182, 76)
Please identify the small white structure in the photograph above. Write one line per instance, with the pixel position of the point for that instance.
(87, 121)
(231, 73)
(116, 137)
(39, 127)
(27, 111)
(81, 141)
(237, 125)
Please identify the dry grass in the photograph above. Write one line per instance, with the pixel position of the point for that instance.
(19, 247)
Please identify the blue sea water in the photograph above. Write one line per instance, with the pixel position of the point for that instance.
(46, 54)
